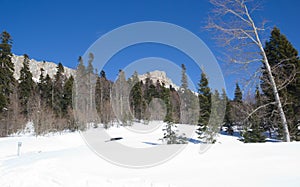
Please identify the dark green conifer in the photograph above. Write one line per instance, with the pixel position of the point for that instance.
(204, 96)
(7, 79)
(26, 85)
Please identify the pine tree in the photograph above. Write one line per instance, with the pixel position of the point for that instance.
(3, 100)
(47, 91)
(26, 86)
(58, 84)
(175, 104)
(254, 133)
(67, 94)
(165, 95)
(136, 96)
(41, 83)
(284, 60)
(238, 107)
(204, 96)
(238, 96)
(170, 134)
(227, 117)
(7, 79)
(184, 82)
(216, 121)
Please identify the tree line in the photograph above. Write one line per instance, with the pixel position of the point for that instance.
(89, 98)
(257, 114)
(47, 103)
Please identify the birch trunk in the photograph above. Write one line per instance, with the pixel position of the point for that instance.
(271, 78)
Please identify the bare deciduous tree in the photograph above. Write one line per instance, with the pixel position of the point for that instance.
(238, 32)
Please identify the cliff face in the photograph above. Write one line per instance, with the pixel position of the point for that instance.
(158, 75)
(35, 68)
(50, 68)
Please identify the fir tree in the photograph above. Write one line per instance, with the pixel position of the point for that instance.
(165, 95)
(7, 79)
(47, 91)
(41, 83)
(238, 96)
(254, 133)
(58, 84)
(45, 88)
(184, 82)
(227, 117)
(137, 97)
(204, 96)
(67, 94)
(26, 85)
(2, 100)
(169, 133)
(215, 123)
(284, 60)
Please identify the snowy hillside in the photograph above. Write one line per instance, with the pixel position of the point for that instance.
(35, 68)
(65, 160)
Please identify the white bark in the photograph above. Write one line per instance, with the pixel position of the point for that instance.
(241, 33)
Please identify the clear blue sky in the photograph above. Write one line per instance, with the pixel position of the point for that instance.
(60, 31)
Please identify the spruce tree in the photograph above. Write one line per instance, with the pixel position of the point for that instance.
(284, 60)
(41, 83)
(238, 96)
(58, 84)
(3, 100)
(169, 133)
(254, 133)
(67, 93)
(227, 117)
(204, 96)
(136, 97)
(184, 82)
(26, 86)
(45, 89)
(7, 79)
(214, 126)
(165, 96)
(48, 91)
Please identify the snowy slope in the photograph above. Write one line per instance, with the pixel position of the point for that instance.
(65, 160)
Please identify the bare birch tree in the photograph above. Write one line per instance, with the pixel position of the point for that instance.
(238, 33)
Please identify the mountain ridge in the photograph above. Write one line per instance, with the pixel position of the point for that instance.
(35, 68)
(50, 68)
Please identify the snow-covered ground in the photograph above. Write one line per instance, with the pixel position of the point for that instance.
(65, 160)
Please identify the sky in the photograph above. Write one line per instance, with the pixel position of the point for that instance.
(61, 31)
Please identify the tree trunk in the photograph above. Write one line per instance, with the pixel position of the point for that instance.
(271, 78)
(277, 99)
